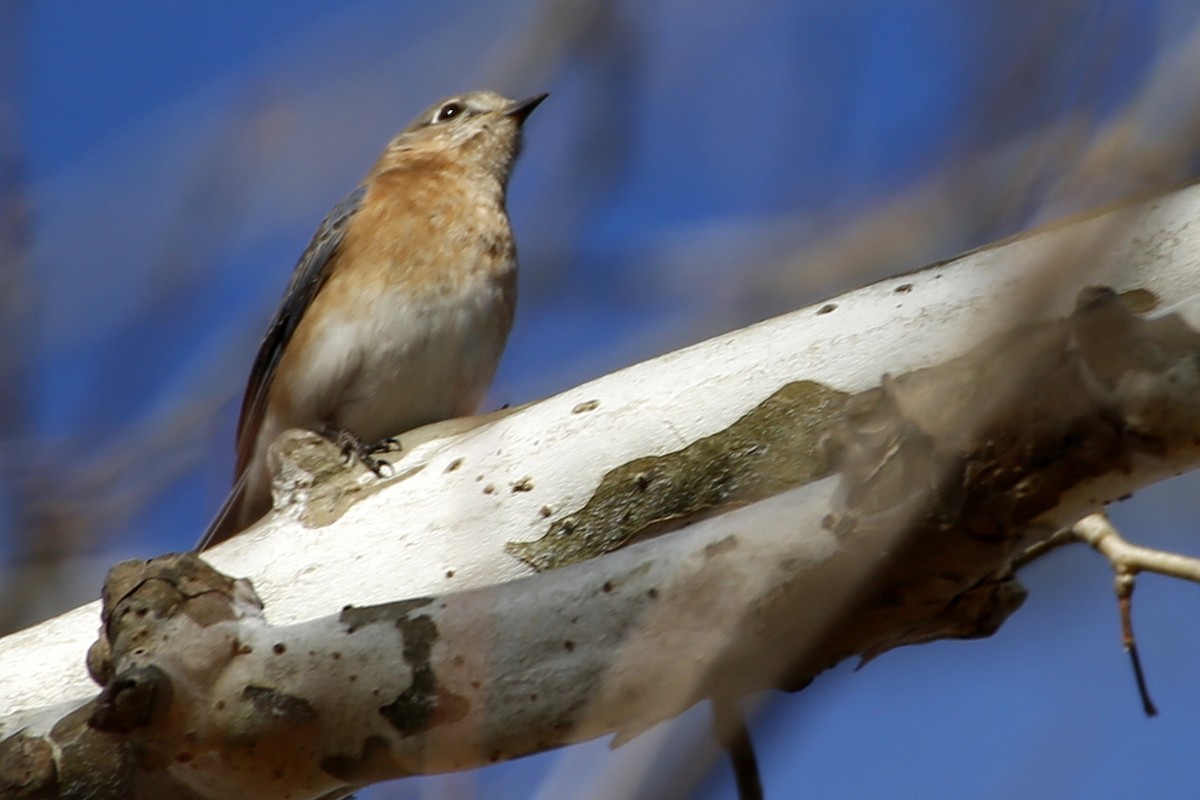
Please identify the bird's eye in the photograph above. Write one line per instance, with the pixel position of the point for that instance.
(449, 111)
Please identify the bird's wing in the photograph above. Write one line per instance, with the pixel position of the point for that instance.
(307, 279)
(228, 519)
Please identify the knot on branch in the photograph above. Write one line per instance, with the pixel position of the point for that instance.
(164, 645)
(27, 768)
(142, 598)
(131, 700)
(310, 476)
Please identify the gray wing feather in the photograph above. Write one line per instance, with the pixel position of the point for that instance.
(307, 279)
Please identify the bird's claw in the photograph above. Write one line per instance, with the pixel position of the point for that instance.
(389, 445)
(355, 448)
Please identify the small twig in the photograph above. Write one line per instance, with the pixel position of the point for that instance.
(1096, 530)
(729, 724)
(1128, 560)
(1123, 584)
(1059, 538)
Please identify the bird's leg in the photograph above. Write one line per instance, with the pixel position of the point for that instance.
(354, 447)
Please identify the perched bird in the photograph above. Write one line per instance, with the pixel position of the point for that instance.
(398, 310)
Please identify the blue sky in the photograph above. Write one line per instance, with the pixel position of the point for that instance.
(699, 166)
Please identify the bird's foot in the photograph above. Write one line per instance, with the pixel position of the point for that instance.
(389, 445)
(355, 448)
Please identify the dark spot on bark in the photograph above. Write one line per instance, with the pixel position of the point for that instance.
(652, 593)
(608, 586)
(131, 700)
(279, 649)
(423, 704)
(722, 546)
(453, 465)
(903, 288)
(587, 405)
(412, 710)
(827, 308)
(569, 646)
(279, 705)
(1141, 301)
(523, 485)
(396, 613)
(373, 761)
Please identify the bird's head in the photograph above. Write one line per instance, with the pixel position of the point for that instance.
(480, 129)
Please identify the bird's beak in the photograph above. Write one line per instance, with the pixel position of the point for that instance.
(521, 109)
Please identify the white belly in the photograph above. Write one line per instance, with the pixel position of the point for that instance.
(398, 362)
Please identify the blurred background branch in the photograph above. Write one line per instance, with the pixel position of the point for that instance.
(16, 325)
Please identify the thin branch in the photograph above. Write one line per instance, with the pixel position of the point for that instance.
(1124, 584)
(1127, 561)
(1128, 558)
(1055, 541)
(732, 732)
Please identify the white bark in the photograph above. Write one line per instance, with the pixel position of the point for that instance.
(943, 473)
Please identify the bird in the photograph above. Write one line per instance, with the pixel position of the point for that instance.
(398, 311)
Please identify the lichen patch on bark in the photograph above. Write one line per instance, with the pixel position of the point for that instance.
(776, 446)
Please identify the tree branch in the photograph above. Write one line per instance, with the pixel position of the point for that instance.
(816, 513)
(1128, 558)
